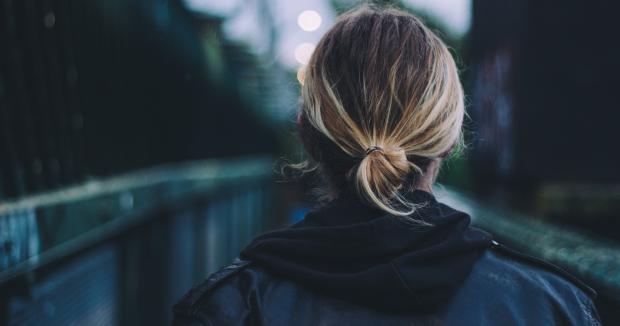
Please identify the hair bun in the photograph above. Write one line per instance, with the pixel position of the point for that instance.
(380, 177)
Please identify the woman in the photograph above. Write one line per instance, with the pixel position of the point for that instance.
(381, 106)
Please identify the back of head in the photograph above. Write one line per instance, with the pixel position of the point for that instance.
(381, 98)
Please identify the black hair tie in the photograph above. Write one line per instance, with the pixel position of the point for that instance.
(373, 149)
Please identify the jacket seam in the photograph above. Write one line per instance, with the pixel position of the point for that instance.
(590, 292)
(191, 304)
(400, 277)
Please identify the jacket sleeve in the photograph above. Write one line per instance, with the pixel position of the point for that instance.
(225, 298)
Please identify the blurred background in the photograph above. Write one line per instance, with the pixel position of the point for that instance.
(139, 140)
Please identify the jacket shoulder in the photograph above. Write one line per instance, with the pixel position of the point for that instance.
(189, 305)
(524, 288)
(545, 266)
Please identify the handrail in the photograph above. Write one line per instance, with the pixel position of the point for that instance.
(212, 169)
(127, 200)
(589, 257)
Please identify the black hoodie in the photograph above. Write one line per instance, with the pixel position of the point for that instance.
(360, 254)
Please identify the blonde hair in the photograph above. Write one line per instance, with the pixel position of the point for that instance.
(381, 97)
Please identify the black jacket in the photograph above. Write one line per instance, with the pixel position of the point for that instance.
(349, 264)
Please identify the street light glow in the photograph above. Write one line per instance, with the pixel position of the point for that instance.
(303, 52)
(309, 20)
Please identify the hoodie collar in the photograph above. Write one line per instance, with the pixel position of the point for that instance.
(352, 251)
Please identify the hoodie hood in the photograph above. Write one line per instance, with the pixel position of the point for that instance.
(354, 252)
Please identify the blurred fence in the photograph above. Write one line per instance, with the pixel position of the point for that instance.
(123, 250)
(591, 259)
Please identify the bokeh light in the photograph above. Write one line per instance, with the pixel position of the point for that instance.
(309, 20)
(303, 52)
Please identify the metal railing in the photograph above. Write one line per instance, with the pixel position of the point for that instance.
(124, 249)
(589, 257)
